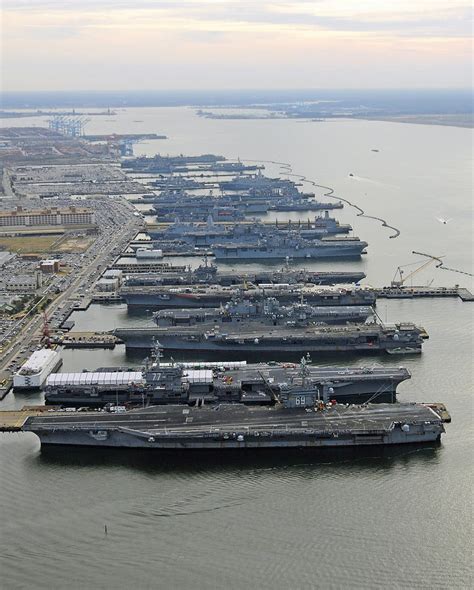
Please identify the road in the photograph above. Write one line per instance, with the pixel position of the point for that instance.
(106, 243)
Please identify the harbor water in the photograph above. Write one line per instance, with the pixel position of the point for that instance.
(391, 518)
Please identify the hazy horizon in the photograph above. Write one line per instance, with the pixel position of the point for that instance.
(326, 101)
(152, 45)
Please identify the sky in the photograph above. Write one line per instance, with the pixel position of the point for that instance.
(232, 44)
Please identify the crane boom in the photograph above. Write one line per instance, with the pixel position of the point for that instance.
(399, 282)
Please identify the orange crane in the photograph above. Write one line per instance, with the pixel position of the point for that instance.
(46, 332)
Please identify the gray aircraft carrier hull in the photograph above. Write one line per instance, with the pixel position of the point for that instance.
(348, 385)
(237, 427)
(157, 298)
(266, 342)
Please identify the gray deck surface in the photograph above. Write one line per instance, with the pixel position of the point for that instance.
(282, 373)
(179, 420)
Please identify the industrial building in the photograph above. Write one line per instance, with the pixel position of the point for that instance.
(24, 283)
(49, 266)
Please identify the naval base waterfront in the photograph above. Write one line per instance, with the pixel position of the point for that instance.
(205, 517)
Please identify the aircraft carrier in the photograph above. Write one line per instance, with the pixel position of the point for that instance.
(172, 383)
(210, 233)
(208, 274)
(290, 247)
(299, 421)
(248, 342)
(242, 312)
(161, 297)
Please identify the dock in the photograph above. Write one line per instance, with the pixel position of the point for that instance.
(87, 340)
(5, 388)
(13, 420)
(107, 298)
(142, 267)
(403, 292)
(82, 304)
(188, 253)
(124, 136)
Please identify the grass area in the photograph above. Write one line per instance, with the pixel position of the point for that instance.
(48, 244)
(73, 244)
(28, 244)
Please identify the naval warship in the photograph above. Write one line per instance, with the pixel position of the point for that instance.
(258, 181)
(268, 311)
(199, 207)
(289, 246)
(160, 382)
(247, 341)
(167, 164)
(163, 296)
(299, 420)
(211, 233)
(218, 212)
(208, 274)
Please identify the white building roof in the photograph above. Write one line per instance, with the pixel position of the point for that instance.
(96, 378)
(38, 360)
(198, 375)
(112, 272)
(107, 281)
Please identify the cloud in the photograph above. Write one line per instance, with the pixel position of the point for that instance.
(433, 18)
(106, 44)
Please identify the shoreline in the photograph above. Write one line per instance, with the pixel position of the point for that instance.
(465, 121)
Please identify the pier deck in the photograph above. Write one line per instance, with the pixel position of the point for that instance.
(13, 420)
(88, 340)
(418, 292)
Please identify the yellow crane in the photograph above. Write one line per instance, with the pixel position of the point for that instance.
(400, 277)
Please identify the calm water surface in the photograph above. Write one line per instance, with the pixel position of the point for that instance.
(392, 518)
